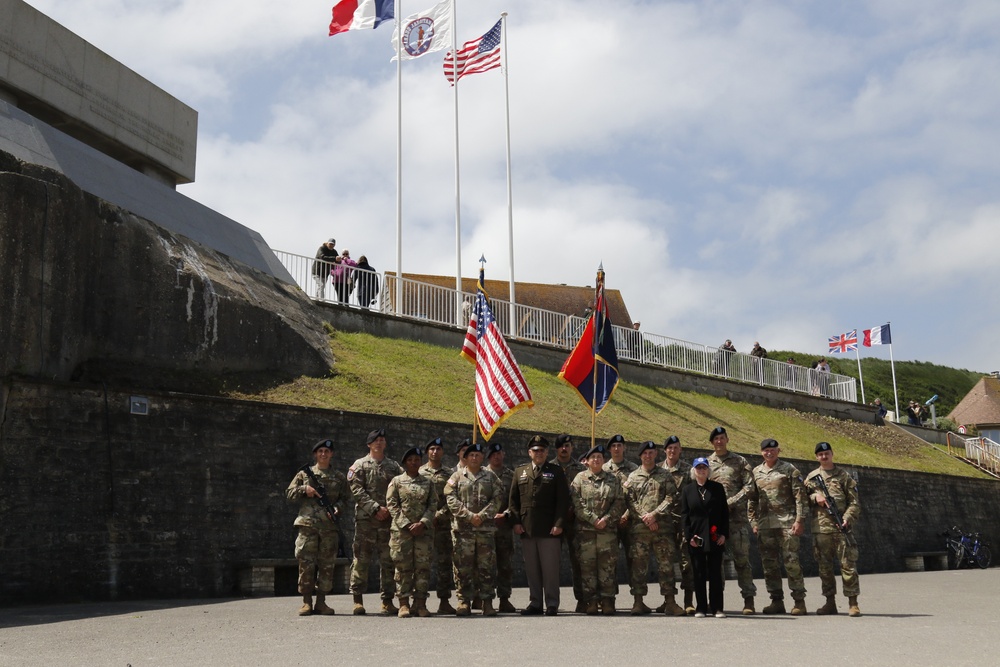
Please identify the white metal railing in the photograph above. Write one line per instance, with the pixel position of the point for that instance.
(984, 453)
(433, 303)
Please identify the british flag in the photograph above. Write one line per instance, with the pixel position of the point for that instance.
(845, 342)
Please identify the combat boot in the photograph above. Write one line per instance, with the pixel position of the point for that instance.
(689, 603)
(307, 606)
(829, 608)
(404, 607)
(855, 609)
(487, 607)
(662, 608)
(590, 608)
(444, 607)
(359, 606)
(477, 604)
(322, 607)
(777, 606)
(581, 607)
(671, 608)
(388, 608)
(608, 606)
(639, 607)
(506, 607)
(748, 609)
(420, 607)
(464, 609)
(799, 608)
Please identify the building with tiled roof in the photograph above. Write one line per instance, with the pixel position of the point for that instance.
(981, 408)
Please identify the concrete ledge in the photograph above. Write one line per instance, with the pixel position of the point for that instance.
(267, 577)
(920, 561)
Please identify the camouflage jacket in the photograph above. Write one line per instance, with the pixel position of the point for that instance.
(369, 481)
(506, 476)
(310, 513)
(571, 469)
(597, 496)
(439, 477)
(781, 496)
(469, 495)
(652, 491)
(411, 499)
(844, 490)
(733, 472)
(621, 470)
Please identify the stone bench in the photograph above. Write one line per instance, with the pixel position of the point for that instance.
(264, 577)
(919, 561)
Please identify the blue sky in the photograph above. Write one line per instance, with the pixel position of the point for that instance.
(772, 171)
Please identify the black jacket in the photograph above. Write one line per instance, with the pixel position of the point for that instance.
(539, 502)
(700, 515)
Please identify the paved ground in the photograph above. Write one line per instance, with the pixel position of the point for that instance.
(929, 618)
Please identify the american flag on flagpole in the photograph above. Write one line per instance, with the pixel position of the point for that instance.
(479, 55)
(845, 342)
(500, 387)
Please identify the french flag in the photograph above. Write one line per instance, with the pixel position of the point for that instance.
(360, 15)
(877, 336)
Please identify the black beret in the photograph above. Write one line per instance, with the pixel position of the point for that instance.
(462, 445)
(323, 443)
(494, 448)
(671, 440)
(768, 443)
(823, 447)
(375, 435)
(410, 452)
(718, 430)
(563, 439)
(436, 442)
(615, 438)
(478, 447)
(649, 444)
(598, 449)
(538, 441)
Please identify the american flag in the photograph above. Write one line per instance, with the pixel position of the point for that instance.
(500, 387)
(845, 342)
(479, 55)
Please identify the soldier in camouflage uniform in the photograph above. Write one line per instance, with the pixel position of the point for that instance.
(599, 502)
(736, 476)
(412, 502)
(318, 538)
(650, 493)
(473, 495)
(830, 543)
(681, 472)
(504, 535)
(571, 468)
(621, 469)
(777, 517)
(369, 478)
(438, 473)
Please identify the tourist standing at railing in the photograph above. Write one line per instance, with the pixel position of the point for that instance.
(914, 413)
(365, 282)
(323, 265)
(342, 269)
(823, 375)
(759, 354)
(726, 351)
(790, 373)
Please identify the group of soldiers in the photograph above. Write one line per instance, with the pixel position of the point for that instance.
(416, 516)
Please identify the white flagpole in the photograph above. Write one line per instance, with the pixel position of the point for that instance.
(458, 189)
(399, 159)
(861, 377)
(892, 364)
(510, 197)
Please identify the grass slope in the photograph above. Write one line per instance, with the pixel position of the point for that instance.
(404, 378)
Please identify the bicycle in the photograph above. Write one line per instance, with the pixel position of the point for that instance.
(966, 549)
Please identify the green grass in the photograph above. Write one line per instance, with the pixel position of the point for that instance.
(408, 379)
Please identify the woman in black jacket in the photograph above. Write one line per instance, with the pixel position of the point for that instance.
(706, 527)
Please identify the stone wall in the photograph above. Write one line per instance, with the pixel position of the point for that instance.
(98, 503)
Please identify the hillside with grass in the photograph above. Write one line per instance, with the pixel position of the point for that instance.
(409, 379)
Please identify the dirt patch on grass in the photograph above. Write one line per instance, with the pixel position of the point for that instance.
(883, 438)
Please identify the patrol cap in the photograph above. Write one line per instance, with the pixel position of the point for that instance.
(717, 431)
(323, 443)
(493, 449)
(410, 452)
(768, 443)
(436, 442)
(465, 443)
(537, 442)
(823, 447)
(672, 440)
(649, 444)
(478, 447)
(562, 439)
(615, 438)
(375, 435)
(700, 461)
(597, 449)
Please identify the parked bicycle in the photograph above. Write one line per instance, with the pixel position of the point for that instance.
(966, 549)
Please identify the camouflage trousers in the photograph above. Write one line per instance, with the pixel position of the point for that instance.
(412, 559)
(503, 540)
(661, 543)
(830, 548)
(683, 558)
(778, 546)
(598, 555)
(475, 559)
(568, 538)
(316, 551)
(738, 548)
(371, 540)
(625, 540)
(443, 563)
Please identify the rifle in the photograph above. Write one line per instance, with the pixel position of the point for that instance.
(323, 499)
(831, 507)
